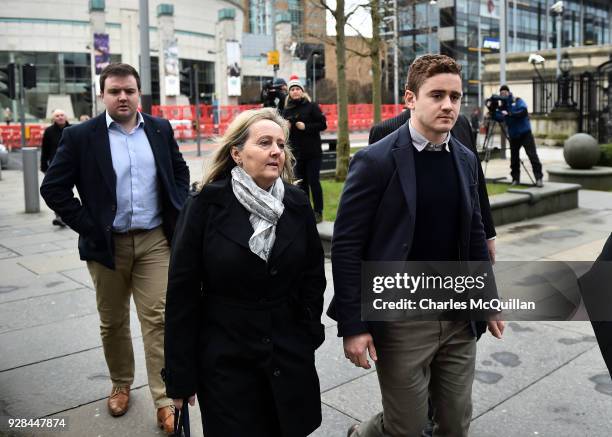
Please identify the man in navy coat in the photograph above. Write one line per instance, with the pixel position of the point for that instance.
(412, 196)
(132, 181)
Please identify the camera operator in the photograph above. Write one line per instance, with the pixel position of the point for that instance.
(513, 111)
(274, 94)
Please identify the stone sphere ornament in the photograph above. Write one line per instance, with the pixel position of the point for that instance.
(581, 151)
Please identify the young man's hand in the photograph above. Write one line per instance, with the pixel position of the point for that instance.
(355, 348)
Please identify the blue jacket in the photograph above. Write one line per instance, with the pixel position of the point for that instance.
(517, 119)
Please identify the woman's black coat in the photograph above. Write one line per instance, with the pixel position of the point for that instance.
(305, 143)
(240, 331)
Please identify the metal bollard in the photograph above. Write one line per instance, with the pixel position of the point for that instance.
(30, 179)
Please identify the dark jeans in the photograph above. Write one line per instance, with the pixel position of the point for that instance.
(308, 169)
(526, 140)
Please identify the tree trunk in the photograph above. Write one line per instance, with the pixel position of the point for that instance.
(343, 147)
(375, 59)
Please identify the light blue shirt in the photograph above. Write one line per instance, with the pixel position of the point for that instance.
(138, 205)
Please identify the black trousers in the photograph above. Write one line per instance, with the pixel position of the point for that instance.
(308, 169)
(527, 141)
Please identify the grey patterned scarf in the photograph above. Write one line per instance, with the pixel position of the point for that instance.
(266, 208)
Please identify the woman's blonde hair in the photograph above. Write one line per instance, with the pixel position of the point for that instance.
(305, 96)
(236, 136)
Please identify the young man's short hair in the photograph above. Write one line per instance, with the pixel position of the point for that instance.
(426, 66)
(121, 70)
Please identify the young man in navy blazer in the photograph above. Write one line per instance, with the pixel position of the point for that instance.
(132, 182)
(413, 197)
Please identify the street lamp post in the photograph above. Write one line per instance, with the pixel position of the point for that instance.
(557, 9)
(314, 79)
(429, 29)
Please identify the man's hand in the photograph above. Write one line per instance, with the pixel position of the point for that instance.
(355, 348)
(178, 403)
(491, 249)
(504, 112)
(300, 125)
(496, 327)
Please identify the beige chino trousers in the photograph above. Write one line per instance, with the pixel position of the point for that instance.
(141, 271)
(417, 360)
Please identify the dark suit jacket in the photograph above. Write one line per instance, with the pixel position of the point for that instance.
(84, 160)
(376, 218)
(461, 131)
(244, 330)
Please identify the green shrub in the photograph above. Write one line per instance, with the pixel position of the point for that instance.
(605, 159)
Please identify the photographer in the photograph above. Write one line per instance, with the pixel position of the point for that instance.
(513, 111)
(274, 94)
(307, 121)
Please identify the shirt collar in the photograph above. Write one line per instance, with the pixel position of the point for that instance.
(420, 142)
(110, 121)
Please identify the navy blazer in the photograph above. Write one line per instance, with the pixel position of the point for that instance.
(377, 213)
(83, 160)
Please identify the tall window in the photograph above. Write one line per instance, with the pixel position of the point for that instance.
(260, 17)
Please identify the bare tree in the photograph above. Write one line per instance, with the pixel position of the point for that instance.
(343, 147)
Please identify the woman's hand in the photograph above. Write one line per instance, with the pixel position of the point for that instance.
(178, 403)
(300, 125)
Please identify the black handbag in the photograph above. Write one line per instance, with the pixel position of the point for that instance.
(181, 420)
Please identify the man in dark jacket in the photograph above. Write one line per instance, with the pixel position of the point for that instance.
(412, 197)
(462, 132)
(50, 143)
(132, 182)
(514, 113)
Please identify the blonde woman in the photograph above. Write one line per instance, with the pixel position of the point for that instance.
(245, 291)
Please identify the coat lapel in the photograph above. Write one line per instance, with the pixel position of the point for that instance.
(403, 154)
(158, 147)
(461, 165)
(101, 146)
(234, 222)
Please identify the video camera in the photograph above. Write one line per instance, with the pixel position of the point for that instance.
(496, 102)
(272, 92)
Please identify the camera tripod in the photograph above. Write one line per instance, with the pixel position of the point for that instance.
(487, 145)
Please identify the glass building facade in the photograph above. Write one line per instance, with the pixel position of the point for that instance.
(452, 28)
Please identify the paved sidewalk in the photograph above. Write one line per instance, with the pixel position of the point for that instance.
(544, 379)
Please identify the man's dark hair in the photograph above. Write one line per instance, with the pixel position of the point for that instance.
(121, 70)
(426, 66)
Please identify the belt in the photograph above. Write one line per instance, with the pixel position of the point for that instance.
(133, 232)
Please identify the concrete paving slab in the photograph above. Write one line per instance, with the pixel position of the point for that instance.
(12, 270)
(57, 385)
(64, 259)
(335, 423)
(35, 248)
(359, 398)
(46, 309)
(52, 234)
(584, 328)
(53, 340)
(528, 352)
(93, 419)
(575, 400)
(80, 275)
(5, 253)
(585, 252)
(591, 199)
(26, 287)
(549, 242)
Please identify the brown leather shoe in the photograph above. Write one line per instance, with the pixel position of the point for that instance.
(165, 419)
(118, 401)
